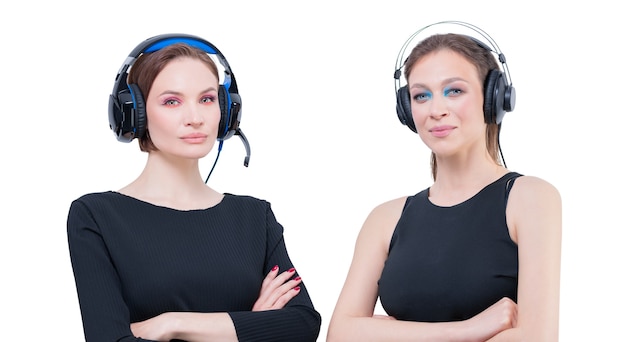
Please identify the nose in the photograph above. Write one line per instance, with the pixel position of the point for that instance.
(438, 107)
(193, 116)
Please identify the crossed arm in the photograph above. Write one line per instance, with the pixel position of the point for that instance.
(534, 215)
(276, 291)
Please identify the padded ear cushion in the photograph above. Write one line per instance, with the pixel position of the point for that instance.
(224, 117)
(116, 115)
(493, 105)
(139, 118)
(403, 108)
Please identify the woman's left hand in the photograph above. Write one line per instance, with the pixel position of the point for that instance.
(277, 290)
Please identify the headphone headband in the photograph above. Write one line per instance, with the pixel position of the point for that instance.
(400, 60)
(127, 117)
(498, 89)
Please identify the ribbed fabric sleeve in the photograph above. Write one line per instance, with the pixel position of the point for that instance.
(133, 260)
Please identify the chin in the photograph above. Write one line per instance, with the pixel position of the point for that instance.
(189, 151)
(196, 153)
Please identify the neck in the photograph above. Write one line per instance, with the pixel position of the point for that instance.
(171, 182)
(460, 177)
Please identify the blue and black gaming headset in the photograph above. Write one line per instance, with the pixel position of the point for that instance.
(127, 110)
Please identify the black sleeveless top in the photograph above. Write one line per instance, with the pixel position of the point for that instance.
(450, 263)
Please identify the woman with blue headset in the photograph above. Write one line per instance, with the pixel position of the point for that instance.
(168, 258)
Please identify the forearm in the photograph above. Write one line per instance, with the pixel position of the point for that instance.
(376, 329)
(191, 326)
(520, 334)
(509, 335)
(295, 323)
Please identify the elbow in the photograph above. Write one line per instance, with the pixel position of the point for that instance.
(331, 336)
(336, 336)
(313, 323)
(334, 333)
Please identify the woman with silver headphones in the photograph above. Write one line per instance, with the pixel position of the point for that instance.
(476, 255)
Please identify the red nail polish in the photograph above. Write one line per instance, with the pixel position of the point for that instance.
(292, 270)
(297, 278)
(275, 268)
(297, 288)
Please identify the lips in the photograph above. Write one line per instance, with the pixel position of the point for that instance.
(441, 131)
(194, 138)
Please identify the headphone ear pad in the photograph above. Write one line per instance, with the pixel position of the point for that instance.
(224, 117)
(139, 119)
(493, 106)
(403, 108)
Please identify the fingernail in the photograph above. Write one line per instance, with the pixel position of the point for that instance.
(297, 288)
(292, 270)
(275, 268)
(297, 278)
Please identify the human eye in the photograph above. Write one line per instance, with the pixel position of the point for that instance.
(452, 92)
(170, 102)
(207, 99)
(422, 97)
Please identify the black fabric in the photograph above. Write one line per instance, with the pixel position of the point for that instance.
(133, 260)
(450, 263)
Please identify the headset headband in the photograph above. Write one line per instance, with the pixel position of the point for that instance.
(158, 42)
(400, 60)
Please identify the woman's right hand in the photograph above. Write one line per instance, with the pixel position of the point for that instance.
(498, 317)
(277, 290)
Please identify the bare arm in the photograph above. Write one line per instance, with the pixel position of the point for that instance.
(353, 318)
(534, 215)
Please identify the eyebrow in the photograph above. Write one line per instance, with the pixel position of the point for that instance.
(444, 82)
(174, 92)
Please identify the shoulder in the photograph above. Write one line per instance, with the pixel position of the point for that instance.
(246, 200)
(93, 198)
(531, 190)
(389, 210)
(84, 210)
(382, 220)
(248, 207)
(534, 207)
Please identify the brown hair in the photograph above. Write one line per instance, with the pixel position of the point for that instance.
(148, 66)
(478, 56)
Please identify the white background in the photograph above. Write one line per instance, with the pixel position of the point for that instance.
(319, 111)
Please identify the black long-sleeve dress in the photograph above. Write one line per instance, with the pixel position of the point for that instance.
(133, 260)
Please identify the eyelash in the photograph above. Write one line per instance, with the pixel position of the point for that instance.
(173, 102)
(423, 97)
(210, 98)
(170, 102)
(454, 91)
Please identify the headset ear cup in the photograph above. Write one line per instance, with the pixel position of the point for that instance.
(223, 100)
(493, 106)
(230, 116)
(116, 115)
(403, 108)
(509, 98)
(139, 118)
(235, 113)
